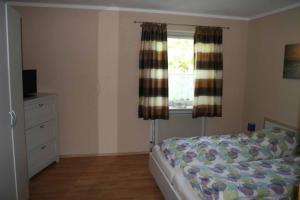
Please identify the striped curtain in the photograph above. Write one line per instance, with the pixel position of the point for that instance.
(153, 72)
(208, 72)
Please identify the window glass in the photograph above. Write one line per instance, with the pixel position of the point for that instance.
(181, 67)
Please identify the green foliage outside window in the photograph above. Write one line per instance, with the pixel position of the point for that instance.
(179, 52)
(181, 82)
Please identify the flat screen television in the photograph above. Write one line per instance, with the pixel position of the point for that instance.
(29, 83)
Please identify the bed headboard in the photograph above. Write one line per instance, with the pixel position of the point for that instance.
(269, 123)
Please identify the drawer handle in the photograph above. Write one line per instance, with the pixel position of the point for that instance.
(41, 104)
(43, 147)
(42, 126)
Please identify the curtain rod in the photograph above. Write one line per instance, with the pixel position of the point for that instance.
(223, 27)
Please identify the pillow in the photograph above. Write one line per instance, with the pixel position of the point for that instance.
(280, 142)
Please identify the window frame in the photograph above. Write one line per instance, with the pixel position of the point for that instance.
(180, 35)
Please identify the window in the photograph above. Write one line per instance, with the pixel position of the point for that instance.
(181, 67)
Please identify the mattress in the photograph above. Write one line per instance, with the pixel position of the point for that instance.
(175, 177)
(168, 170)
(183, 187)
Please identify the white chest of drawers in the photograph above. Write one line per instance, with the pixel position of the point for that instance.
(41, 132)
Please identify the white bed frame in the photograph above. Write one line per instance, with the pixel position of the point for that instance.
(163, 182)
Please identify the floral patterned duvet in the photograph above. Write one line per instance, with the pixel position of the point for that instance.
(265, 144)
(175, 149)
(265, 179)
(279, 142)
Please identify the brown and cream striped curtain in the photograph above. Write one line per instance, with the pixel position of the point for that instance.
(153, 69)
(208, 72)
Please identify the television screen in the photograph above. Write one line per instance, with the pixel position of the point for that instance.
(29, 83)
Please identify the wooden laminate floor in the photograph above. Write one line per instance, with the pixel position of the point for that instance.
(93, 178)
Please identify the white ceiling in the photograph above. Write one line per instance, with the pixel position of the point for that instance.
(230, 8)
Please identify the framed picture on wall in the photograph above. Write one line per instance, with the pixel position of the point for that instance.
(291, 69)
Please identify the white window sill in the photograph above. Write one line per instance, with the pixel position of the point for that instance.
(185, 111)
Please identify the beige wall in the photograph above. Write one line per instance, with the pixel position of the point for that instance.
(108, 66)
(133, 132)
(267, 93)
(90, 59)
(62, 45)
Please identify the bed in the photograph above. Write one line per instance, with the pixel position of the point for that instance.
(264, 179)
(173, 153)
(170, 175)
